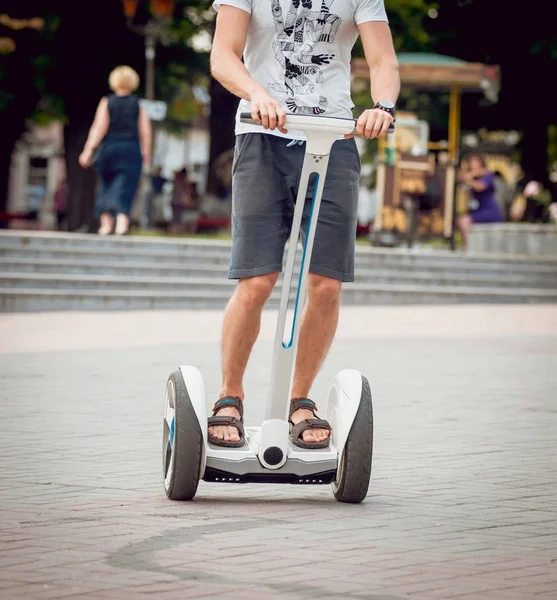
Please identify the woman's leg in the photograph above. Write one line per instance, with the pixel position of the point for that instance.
(122, 197)
(129, 178)
(122, 224)
(102, 209)
(464, 224)
(107, 223)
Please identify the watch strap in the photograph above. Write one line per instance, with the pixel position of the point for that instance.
(391, 111)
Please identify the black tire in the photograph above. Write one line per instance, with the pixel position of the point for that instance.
(188, 445)
(354, 470)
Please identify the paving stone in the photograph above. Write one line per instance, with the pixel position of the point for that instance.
(462, 502)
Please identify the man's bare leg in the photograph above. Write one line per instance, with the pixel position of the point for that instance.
(242, 320)
(319, 323)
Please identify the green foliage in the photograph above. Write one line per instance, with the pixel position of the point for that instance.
(6, 98)
(182, 56)
(34, 49)
(552, 147)
(179, 64)
(547, 47)
(183, 63)
(192, 18)
(407, 19)
(49, 109)
(184, 108)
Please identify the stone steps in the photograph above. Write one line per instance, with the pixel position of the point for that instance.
(407, 260)
(33, 299)
(155, 246)
(57, 271)
(64, 273)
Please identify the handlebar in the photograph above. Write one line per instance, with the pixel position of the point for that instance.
(344, 126)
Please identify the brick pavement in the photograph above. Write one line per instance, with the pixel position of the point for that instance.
(463, 500)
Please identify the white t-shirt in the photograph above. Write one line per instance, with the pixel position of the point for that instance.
(300, 50)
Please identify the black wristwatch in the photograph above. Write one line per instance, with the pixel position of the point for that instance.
(387, 107)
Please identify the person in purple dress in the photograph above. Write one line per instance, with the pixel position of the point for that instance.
(482, 206)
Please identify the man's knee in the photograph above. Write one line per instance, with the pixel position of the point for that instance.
(255, 291)
(323, 290)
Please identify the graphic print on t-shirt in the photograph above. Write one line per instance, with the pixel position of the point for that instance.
(294, 50)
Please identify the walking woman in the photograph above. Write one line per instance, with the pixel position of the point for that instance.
(124, 129)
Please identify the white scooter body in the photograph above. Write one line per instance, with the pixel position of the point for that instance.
(297, 465)
(268, 455)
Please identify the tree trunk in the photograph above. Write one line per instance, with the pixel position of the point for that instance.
(82, 182)
(534, 150)
(99, 36)
(6, 148)
(12, 127)
(221, 127)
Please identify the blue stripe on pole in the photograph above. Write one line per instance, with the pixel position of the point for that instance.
(288, 344)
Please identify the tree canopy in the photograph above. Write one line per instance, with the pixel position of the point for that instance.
(524, 44)
(55, 57)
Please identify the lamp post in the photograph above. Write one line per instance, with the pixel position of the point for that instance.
(161, 13)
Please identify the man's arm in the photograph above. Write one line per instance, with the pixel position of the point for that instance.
(383, 75)
(227, 67)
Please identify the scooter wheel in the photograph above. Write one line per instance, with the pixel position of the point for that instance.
(354, 471)
(182, 441)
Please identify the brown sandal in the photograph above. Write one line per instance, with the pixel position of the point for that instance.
(228, 402)
(297, 430)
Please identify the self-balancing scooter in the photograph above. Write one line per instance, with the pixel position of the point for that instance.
(268, 455)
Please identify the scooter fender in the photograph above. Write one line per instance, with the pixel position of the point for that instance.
(343, 404)
(196, 391)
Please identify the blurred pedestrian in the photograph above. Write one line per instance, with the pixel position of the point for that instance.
(124, 129)
(185, 201)
(538, 200)
(553, 212)
(157, 185)
(532, 203)
(482, 204)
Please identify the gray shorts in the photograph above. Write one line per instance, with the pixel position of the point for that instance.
(266, 173)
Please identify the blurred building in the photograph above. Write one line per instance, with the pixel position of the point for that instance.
(37, 168)
(172, 152)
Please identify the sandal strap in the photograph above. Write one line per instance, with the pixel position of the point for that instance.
(305, 403)
(228, 420)
(306, 424)
(229, 402)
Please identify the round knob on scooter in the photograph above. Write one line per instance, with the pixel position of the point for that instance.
(273, 455)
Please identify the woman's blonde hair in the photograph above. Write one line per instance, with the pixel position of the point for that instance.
(123, 78)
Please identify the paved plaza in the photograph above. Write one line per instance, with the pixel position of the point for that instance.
(462, 502)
